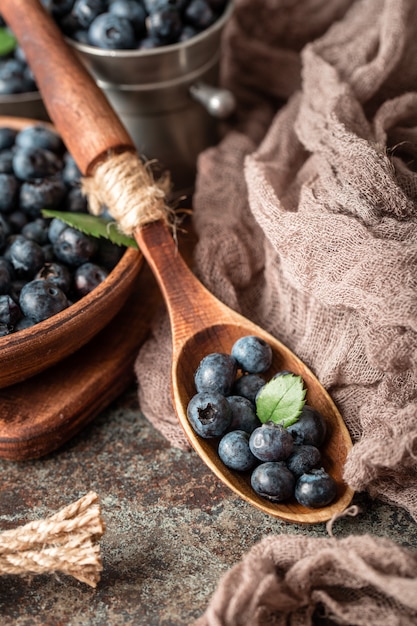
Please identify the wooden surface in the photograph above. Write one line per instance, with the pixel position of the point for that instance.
(200, 323)
(39, 415)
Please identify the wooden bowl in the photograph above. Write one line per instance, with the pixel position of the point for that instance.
(33, 350)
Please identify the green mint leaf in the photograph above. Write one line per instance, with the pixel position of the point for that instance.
(7, 41)
(281, 400)
(93, 225)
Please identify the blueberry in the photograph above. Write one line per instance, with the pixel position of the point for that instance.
(29, 164)
(70, 172)
(12, 77)
(36, 230)
(6, 275)
(188, 32)
(7, 137)
(149, 43)
(26, 257)
(111, 32)
(75, 201)
(156, 5)
(248, 386)
(42, 193)
(9, 310)
(9, 188)
(24, 322)
(87, 277)
(17, 219)
(243, 414)
(4, 330)
(273, 480)
(16, 287)
(85, 11)
(56, 226)
(253, 354)
(4, 231)
(58, 8)
(234, 451)
(215, 372)
(310, 428)
(303, 459)
(39, 136)
(74, 247)
(108, 255)
(165, 25)
(132, 11)
(209, 414)
(199, 14)
(315, 489)
(56, 274)
(6, 161)
(40, 300)
(283, 373)
(271, 442)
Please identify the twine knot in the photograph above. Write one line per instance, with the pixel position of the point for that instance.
(66, 542)
(125, 186)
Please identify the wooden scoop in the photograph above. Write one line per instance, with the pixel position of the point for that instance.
(200, 323)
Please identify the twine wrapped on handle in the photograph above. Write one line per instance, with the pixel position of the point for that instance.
(66, 542)
(125, 186)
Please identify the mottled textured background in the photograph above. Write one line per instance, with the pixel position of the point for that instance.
(172, 528)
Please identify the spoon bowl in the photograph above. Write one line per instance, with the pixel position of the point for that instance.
(333, 453)
(200, 323)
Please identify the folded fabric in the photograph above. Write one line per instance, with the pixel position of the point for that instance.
(292, 580)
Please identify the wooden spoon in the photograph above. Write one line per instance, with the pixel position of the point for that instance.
(200, 323)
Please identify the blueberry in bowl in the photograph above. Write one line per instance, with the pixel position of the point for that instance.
(59, 287)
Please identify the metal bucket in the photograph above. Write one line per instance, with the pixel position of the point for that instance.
(166, 97)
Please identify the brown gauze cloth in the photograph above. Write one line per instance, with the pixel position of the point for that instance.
(292, 580)
(306, 214)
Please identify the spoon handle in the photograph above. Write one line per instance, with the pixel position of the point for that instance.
(88, 125)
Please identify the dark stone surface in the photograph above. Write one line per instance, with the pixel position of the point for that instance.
(172, 529)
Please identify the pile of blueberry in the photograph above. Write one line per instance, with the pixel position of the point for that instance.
(282, 462)
(15, 74)
(45, 265)
(133, 24)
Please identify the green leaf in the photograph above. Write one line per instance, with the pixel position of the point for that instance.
(281, 400)
(7, 41)
(93, 225)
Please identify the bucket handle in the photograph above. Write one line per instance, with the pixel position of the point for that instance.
(219, 103)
